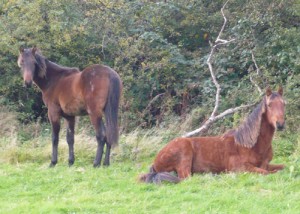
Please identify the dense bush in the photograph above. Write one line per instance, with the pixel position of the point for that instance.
(159, 48)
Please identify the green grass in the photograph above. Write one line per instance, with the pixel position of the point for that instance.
(27, 185)
(35, 188)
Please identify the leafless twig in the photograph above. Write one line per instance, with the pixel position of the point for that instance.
(153, 100)
(103, 46)
(256, 66)
(149, 105)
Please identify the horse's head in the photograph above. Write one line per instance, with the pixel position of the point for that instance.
(31, 63)
(275, 108)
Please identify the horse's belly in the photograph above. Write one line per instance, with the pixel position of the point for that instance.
(74, 106)
(214, 162)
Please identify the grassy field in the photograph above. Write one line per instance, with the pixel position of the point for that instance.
(34, 188)
(27, 185)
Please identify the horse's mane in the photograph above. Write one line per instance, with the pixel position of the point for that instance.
(247, 133)
(42, 62)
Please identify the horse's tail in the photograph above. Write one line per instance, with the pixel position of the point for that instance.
(158, 177)
(112, 108)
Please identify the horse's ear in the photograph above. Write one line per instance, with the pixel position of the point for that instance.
(21, 50)
(280, 90)
(268, 91)
(33, 50)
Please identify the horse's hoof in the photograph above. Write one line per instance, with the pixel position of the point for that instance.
(71, 162)
(106, 164)
(96, 165)
(52, 164)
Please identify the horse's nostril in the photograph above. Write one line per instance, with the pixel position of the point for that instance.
(279, 126)
(28, 84)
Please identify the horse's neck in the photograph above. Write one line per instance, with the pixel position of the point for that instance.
(40, 82)
(51, 75)
(264, 140)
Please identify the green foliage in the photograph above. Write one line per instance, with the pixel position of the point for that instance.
(160, 50)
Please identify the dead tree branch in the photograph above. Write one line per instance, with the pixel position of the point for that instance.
(213, 117)
(211, 120)
(258, 72)
(208, 62)
(255, 63)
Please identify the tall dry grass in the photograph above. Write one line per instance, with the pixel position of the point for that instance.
(32, 142)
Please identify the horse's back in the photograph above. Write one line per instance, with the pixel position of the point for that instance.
(98, 71)
(97, 78)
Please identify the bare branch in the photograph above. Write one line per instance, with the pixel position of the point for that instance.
(153, 100)
(233, 110)
(213, 76)
(211, 120)
(256, 66)
(103, 46)
(258, 72)
(213, 117)
(256, 85)
(224, 23)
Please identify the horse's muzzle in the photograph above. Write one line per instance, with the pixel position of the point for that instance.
(27, 84)
(280, 126)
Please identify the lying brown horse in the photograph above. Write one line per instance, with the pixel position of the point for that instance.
(67, 92)
(247, 148)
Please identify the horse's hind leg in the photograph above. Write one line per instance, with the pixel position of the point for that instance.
(100, 136)
(70, 138)
(108, 147)
(184, 172)
(107, 155)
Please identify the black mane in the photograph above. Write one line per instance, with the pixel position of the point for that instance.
(44, 65)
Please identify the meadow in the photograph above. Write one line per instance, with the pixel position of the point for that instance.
(160, 49)
(28, 185)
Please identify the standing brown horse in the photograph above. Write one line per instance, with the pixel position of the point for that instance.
(67, 92)
(247, 148)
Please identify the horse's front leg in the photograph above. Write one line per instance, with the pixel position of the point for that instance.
(70, 138)
(272, 168)
(55, 138)
(251, 168)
